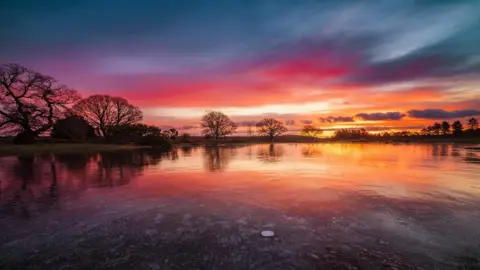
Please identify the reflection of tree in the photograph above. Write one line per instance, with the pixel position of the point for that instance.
(270, 153)
(472, 158)
(173, 155)
(186, 151)
(444, 150)
(38, 184)
(117, 168)
(74, 161)
(32, 186)
(217, 158)
(311, 150)
(440, 150)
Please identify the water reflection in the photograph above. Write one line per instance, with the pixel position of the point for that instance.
(186, 151)
(270, 153)
(313, 195)
(311, 150)
(34, 184)
(218, 158)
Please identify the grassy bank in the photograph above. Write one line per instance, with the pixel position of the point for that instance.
(44, 148)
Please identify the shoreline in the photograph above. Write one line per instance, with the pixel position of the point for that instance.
(67, 148)
(49, 148)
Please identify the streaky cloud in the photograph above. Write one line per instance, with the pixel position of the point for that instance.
(336, 119)
(380, 116)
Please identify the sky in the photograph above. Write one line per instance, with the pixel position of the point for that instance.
(383, 65)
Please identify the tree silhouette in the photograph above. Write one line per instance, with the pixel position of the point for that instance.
(457, 127)
(31, 102)
(473, 124)
(436, 128)
(351, 133)
(217, 124)
(271, 127)
(445, 127)
(311, 131)
(103, 111)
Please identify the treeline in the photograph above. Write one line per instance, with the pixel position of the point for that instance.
(33, 104)
(443, 129)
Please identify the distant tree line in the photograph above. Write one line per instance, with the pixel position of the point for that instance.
(445, 129)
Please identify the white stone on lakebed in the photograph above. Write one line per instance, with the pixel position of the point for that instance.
(267, 233)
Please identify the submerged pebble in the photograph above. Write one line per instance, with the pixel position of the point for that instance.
(267, 233)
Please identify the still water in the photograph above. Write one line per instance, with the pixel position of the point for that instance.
(333, 206)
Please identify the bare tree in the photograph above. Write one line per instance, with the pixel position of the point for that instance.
(311, 131)
(217, 124)
(271, 128)
(31, 102)
(103, 111)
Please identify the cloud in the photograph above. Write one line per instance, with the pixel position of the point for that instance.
(306, 122)
(441, 114)
(383, 128)
(378, 116)
(246, 123)
(289, 122)
(336, 119)
(166, 127)
(189, 127)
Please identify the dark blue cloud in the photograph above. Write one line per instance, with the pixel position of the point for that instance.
(306, 122)
(246, 123)
(289, 122)
(439, 114)
(336, 119)
(189, 127)
(380, 116)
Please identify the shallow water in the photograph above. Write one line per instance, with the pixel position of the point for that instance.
(337, 206)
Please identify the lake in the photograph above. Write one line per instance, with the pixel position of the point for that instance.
(330, 206)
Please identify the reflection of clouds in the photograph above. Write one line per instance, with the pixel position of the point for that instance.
(217, 158)
(270, 153)
(36, 184)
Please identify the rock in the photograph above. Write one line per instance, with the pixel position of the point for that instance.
(267, 233)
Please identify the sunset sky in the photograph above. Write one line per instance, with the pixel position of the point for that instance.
(384, 65)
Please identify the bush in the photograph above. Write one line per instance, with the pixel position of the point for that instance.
(131, 133)
(73, 128)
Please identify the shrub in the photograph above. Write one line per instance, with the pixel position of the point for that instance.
(73, 128)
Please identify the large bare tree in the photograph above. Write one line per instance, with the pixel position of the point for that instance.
(311, 131)
(31, 102)
(271, 128)
(217, 124)
(103, 111)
